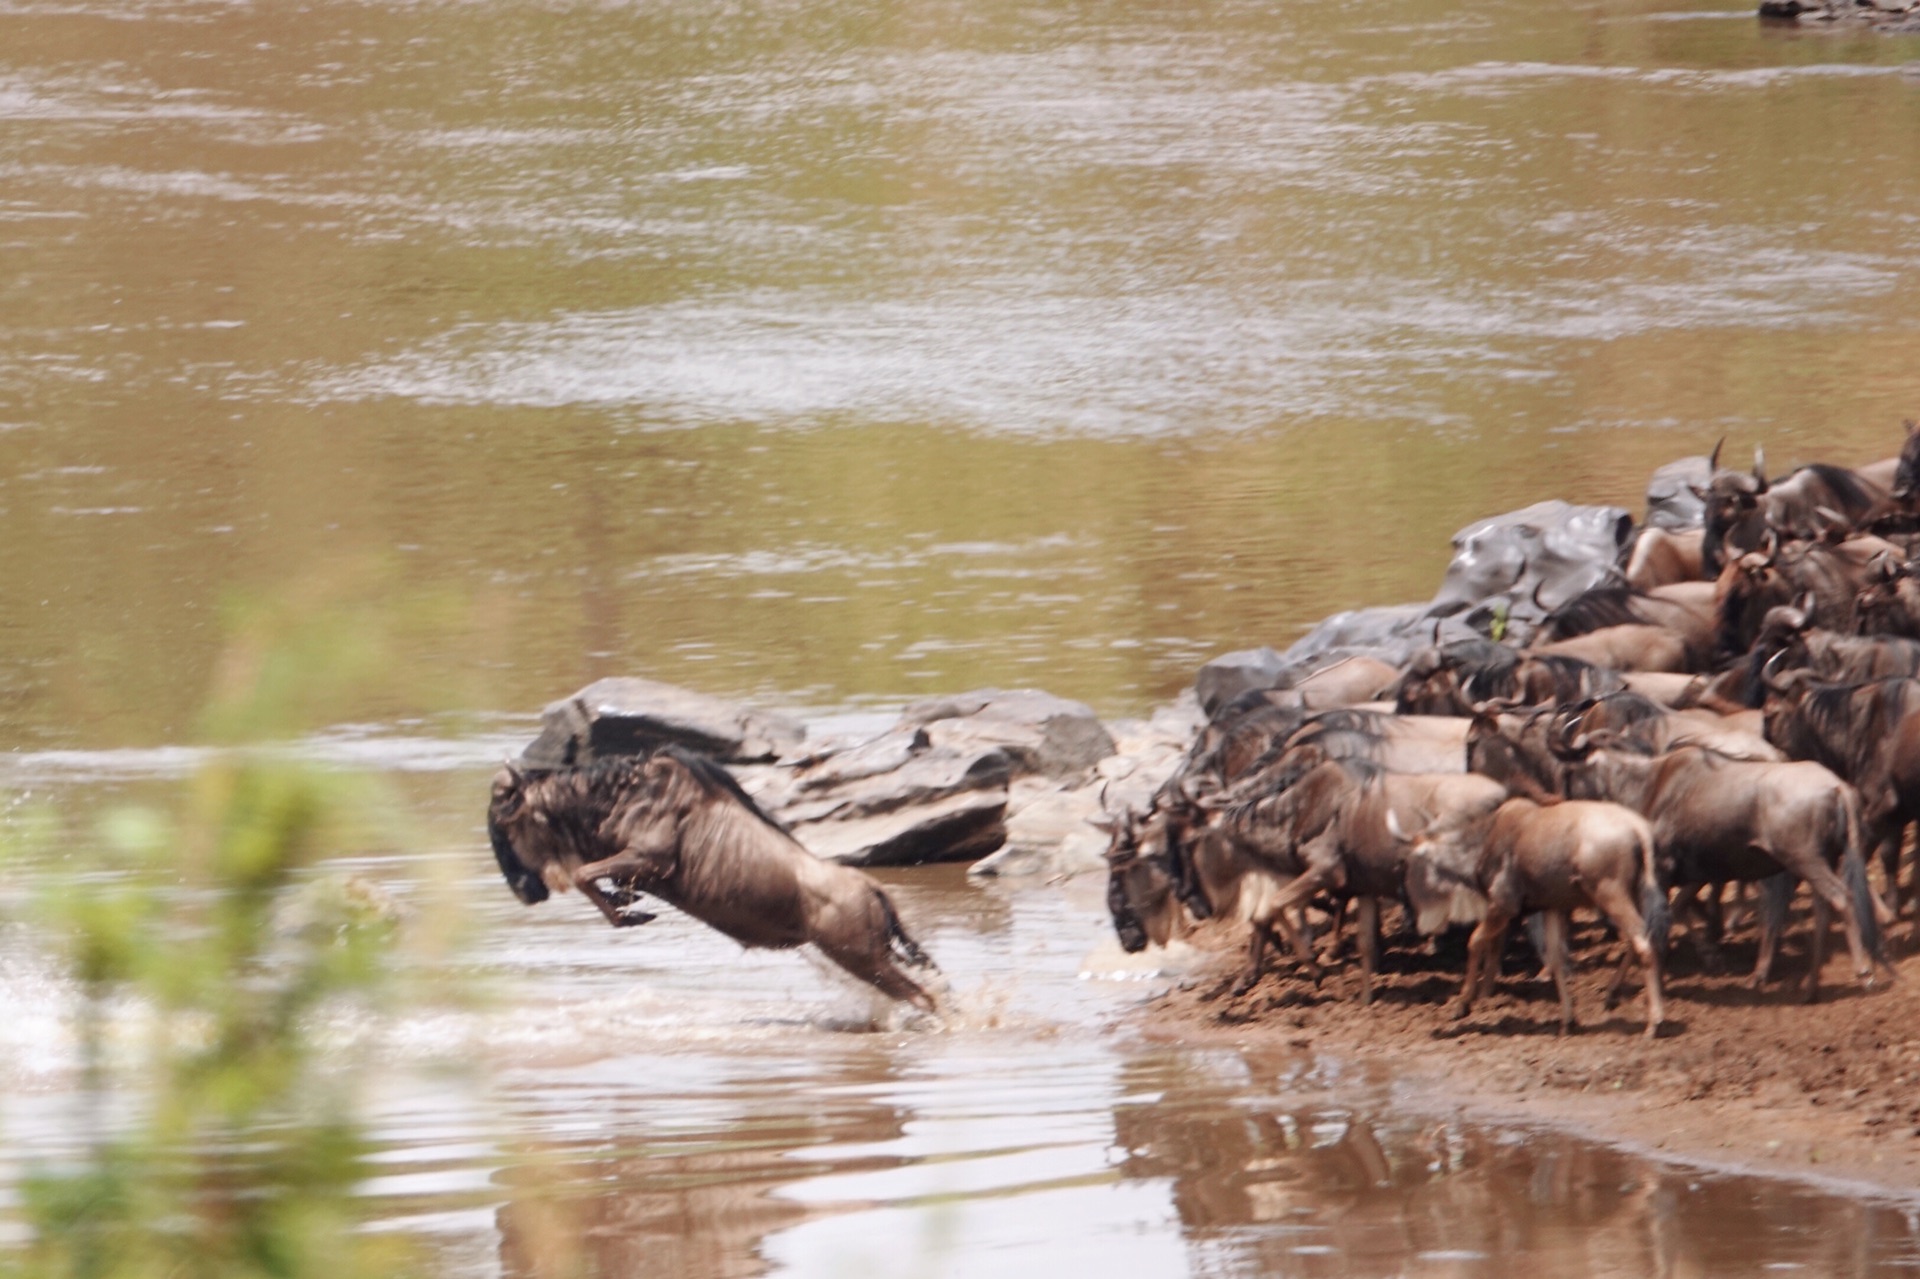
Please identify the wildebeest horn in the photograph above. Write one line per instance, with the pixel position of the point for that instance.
(1760, 466)
(1394, 828)
(1770, 679)
(1772, 544)
(1713, 459)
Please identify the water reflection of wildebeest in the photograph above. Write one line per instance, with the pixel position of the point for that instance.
(678, 826)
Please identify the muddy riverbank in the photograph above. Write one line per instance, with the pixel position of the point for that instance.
(1740, 1080)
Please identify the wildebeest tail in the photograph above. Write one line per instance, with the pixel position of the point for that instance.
(903, 944)
(526, 885)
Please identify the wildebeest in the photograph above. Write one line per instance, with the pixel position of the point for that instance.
(1788, 640)
(1906, 468)
(1663, 557)
(1686, 609)
(1460, 677)
(1867, 733)
(676, 825)
(1742, 507)
(1828, 576)
(1715, 819)
(1888, 603)
(1553, 858)
(1655, 728)
(1340, 828)
(1150, 883)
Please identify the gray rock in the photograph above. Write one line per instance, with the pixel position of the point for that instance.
(627, 716)
(896, 770)
(1230, 675)
(1048, 833)
(1043, 734)
(960, 827)
(1671, 503)
(1549, 552)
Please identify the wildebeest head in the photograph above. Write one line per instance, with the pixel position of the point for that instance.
(506, 814)
(1514, 750)
(1906, 474)
(1140, 895)
(1449, 679)
(1731, 501)
(1889, 604)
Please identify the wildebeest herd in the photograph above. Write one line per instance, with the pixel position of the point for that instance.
(1739, 708)
(1737, 712)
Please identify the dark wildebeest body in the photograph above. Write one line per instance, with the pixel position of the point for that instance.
(1715, 819)
(678, 826)
(1827, 577)
(1889, 603)
(1341, 829)
(1684, 610)
(1812, 501)
(1147, 888)
(1654, 728)
(1526, 857)
(1789, 641)
(1867, 733)
(1458, 678)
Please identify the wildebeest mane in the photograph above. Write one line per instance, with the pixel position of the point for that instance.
(1844, 484)
(717, 781)
(1590, 611)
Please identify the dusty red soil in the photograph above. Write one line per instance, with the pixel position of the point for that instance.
(1755, 1079)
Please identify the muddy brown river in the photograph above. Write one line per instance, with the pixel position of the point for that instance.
(833, 354)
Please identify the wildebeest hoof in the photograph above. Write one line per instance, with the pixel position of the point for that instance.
(1457, 1011)
(633, 917)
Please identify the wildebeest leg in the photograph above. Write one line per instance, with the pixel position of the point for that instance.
(1272, 925)
(1817, 952)
(874, 965)
(1556, 935)
(629, 867)
(1776, 896)
(1366, 935)
(1686, 902)
(1616, 903)
(1887, 837)
(1256, 959)
(1483, 956)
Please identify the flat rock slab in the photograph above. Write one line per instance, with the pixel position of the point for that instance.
(961, 827)
(629, 716)
(1043, 734)
(900, 769)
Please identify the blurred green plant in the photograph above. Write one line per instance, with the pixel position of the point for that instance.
(221, 975)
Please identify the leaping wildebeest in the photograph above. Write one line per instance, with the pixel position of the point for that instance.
(678, 826)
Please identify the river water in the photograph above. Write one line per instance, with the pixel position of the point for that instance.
(833, 354)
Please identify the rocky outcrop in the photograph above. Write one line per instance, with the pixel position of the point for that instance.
(627, 716)
(1528, 561)
(1671, 502)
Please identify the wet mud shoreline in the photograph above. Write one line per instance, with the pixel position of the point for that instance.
(1741, 1081)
